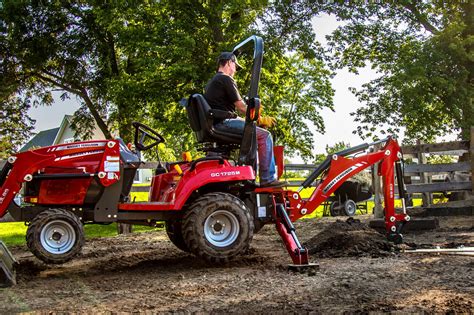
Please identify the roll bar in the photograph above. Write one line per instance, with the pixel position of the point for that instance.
(257, 61)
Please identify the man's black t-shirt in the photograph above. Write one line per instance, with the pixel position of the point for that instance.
(221, 92)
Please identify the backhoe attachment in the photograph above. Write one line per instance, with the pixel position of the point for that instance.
(332, 173)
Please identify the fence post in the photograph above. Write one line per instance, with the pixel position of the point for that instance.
(124, 228)
(424, 178)
(378, 207)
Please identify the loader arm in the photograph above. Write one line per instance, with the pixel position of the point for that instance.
(25, 166)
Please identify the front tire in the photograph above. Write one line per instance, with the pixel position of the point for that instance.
(218, 227)
(55, 236)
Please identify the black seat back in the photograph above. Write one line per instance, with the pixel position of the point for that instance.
(202, 123)
(198, 116)
(201, 120)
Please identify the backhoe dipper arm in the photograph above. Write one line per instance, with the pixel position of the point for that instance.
(337, 169)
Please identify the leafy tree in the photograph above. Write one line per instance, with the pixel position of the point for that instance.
(50, 46)
(423, 52)
(15, 127)
(135, 61)
(295, 81)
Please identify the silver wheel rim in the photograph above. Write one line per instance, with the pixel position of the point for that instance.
(58, 237)
(221, 228)
(350, 208)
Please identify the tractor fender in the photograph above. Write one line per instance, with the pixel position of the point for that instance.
(210, 172)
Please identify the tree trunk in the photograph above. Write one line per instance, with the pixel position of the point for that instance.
(92, 108)
(124, 123)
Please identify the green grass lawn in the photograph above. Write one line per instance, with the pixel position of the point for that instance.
(13, 233)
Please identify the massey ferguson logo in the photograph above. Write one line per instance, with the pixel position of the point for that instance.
(220, 174)
(341, 176)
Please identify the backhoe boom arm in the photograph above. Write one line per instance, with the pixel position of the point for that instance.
(338, 168)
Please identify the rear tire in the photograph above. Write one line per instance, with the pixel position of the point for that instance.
(55, 236)
(218, 227)
(175, 234)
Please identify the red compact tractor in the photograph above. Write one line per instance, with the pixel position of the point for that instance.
(212, 206)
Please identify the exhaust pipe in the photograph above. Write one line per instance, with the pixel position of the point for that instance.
(7, 267)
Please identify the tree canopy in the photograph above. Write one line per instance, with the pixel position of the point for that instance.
(423, 53)
(136, 61)
(130, 61)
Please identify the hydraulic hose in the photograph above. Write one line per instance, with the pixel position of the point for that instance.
(318, 171)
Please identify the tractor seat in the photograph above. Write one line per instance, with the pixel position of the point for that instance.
(201, 117)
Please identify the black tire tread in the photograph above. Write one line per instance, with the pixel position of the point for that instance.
(175, 234)
(332, 211)
(193, 238)
(34, 229)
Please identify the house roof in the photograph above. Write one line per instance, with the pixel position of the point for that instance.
(41, 139)
(64, 124)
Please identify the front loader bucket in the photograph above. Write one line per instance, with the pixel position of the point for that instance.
(7, 267)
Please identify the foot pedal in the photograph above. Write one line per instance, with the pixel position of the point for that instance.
(7, 267)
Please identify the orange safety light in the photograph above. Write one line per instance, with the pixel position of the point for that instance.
(178, 169)
(187, 156)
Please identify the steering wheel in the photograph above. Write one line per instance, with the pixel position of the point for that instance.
(145, 132)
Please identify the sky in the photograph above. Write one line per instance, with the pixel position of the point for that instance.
(339, 124)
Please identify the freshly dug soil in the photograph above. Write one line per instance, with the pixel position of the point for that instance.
(349, 238)
(145, 273)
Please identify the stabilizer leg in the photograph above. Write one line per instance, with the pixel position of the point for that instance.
(287, 231)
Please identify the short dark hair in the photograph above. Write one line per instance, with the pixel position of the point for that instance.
(222, 62)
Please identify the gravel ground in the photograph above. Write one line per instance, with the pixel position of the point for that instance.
(359, 272)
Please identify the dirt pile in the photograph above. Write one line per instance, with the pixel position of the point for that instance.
(348, 239)
(28, 269)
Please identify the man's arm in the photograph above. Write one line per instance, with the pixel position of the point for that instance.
(241, 107)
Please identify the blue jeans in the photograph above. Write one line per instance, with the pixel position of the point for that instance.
(266, 160)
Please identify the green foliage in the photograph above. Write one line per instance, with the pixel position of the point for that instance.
(52, 45)
(423, 52)
(440, 159)
(296, 96)
(135, 60)
(14, 126)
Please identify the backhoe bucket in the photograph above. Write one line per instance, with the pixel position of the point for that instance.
(7, 267)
